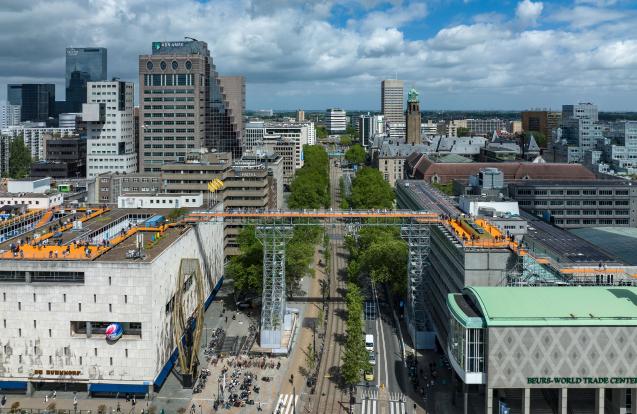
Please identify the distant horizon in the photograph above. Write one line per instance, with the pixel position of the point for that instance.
(436, 110)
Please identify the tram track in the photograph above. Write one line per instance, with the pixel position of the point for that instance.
(330, 397)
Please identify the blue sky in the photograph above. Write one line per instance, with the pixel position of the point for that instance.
(460, 54)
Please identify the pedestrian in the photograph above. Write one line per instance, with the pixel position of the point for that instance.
(226, 319)
(118, 408)
(55, 393)
(3, 401)
(46, 398)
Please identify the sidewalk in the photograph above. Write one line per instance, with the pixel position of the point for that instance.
(297, 363)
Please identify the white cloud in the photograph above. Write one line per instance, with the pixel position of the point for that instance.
(294, 56)
(527, 12)
(582, 17)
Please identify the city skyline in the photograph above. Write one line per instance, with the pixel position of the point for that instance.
(460, 54)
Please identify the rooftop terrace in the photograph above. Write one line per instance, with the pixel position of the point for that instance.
(91, 234)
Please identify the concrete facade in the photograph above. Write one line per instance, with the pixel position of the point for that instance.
(38, 343)
(574, 204)
(392, 100)
(110, 128)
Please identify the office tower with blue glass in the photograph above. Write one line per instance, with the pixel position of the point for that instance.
(83, 64)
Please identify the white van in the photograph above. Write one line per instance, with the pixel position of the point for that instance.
(369, 342)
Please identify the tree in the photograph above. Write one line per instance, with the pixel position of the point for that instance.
(356, 154)
(463, 132)
(310, 358)
(370, 190)
(321, 132)
(19, 159)
(310, 187)
(346, 140)
(355, 358)
(380, 253)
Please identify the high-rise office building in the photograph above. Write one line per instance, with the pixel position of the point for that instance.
(9, 115)
(368, 126)
(412, 119)
(36, 100)
(226, 113)
(336, 120)
(300, 115)
(174, 102)
(580, 127)
(540, 120)
(110, 134)
(185, 105)
(83, 64)
(391, 95)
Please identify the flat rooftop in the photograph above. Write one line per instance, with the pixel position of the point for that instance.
(564, 244)
(619, 241)
(552, 306)
(106, 233)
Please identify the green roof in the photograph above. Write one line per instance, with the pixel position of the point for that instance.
(556, 306)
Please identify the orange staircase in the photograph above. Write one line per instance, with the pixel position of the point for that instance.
(45, 219)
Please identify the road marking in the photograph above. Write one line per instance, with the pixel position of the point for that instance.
(382, 334)
(286, 403)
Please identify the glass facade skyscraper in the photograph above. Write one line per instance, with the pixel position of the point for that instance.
(36, 100)
(83, 64)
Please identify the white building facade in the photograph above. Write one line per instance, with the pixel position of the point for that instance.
(110, 130)
(35, 138)
(262, 136)
(336, 120)
(9, 115)
(56, 313)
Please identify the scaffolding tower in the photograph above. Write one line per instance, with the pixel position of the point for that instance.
(417, 237)
(273, 235)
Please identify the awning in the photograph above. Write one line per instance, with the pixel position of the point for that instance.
(13, 385)
(121, 388)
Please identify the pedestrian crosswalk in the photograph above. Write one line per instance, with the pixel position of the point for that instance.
(286, 404)
(371, 403)
(373, 394)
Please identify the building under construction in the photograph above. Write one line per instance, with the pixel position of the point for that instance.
(98, 300)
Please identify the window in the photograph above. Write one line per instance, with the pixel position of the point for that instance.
(125, 298)
(80, 360)
(79, 307)
(34, 297)
(126, 352)
(35, 323)
(19, 331)
(111, 360)
(19, 306)
(110, 307)
(95, 351)
(109, 280)
(50, 332)
(5, 323)
(64, 297)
